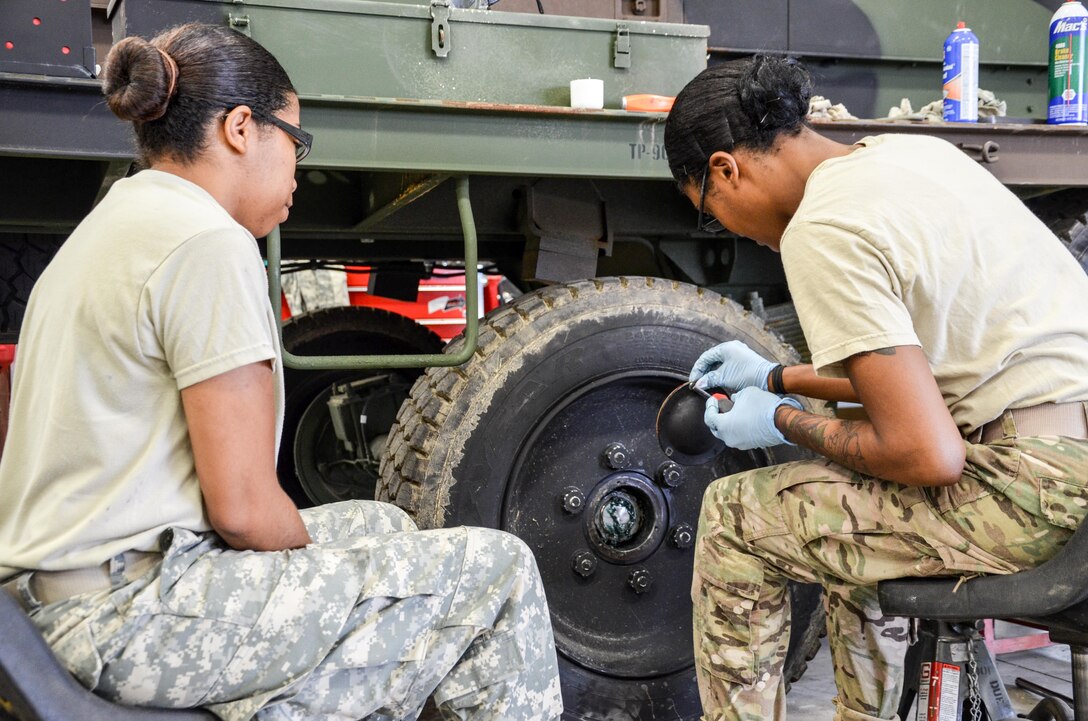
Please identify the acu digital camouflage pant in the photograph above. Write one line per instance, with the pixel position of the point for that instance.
(366, 622)
(1018, 502)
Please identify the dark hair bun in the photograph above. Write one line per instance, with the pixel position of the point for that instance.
(139, 80)
(774, 93)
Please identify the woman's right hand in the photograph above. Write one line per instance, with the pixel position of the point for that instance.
(732, 366)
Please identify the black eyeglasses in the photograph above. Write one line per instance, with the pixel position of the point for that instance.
(707, 223)
(303, 140)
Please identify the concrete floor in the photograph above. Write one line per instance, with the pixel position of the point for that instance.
(810, 698)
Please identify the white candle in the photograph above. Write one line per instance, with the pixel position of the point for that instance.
(587, 93)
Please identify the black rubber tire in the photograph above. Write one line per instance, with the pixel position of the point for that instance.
(23, 257)
(344, 330)
(1066, 214)
(457, 452)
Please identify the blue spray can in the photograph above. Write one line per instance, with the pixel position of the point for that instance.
(1066, 104)
(961, 76)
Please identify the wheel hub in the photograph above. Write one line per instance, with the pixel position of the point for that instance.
(610, 519)
(328, 471)
(627, 517)
(618, 518)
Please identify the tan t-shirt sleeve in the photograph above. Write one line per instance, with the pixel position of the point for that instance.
(848, 298)
(207, 307)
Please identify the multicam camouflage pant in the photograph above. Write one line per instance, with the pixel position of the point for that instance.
(366, 622)
(1018, 502)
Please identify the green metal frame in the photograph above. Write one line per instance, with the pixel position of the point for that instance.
(372, 362)
(458, 138)
(1018, 155)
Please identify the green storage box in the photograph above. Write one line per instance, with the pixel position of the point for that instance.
(432, 51)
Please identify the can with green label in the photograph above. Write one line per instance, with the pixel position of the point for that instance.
(1067, 104)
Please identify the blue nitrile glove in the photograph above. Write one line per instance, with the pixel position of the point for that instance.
(732, 365)
(750, 423)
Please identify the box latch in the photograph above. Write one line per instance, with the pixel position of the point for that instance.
(440, 27)
(621, 58)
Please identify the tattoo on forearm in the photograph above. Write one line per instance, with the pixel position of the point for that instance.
(839, 440)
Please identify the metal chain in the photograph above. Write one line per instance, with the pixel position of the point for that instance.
(972, 675)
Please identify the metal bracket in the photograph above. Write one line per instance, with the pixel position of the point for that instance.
(240, 23)
(566, 229)
(440, 27)
(985, 153)
(621, 56)
(456, 354)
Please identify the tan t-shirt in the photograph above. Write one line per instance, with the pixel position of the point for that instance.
(157, 289)
(907, 241)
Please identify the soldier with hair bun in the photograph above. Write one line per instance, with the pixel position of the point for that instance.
(928, 293)
(143, 528)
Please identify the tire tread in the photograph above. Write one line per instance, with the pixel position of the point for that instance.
(23, 257)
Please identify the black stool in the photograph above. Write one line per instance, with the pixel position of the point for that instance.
(35, 687)
(1053, 596)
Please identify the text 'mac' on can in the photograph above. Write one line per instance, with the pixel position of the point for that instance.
(961, 76)
(1066, 104)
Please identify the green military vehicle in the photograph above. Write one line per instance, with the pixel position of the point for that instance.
(444, 139)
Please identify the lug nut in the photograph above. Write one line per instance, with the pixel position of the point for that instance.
(640, 580)
(584, 564)
(616, 456)
(574, 501)
(670, 474)
(683, 536)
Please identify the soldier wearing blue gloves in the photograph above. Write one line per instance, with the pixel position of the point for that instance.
(928, 293)
(751, 422)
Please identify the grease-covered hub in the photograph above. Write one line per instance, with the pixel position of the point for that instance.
(628, 517)
(618, 518)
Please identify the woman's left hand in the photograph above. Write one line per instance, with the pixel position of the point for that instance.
(750, 422)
